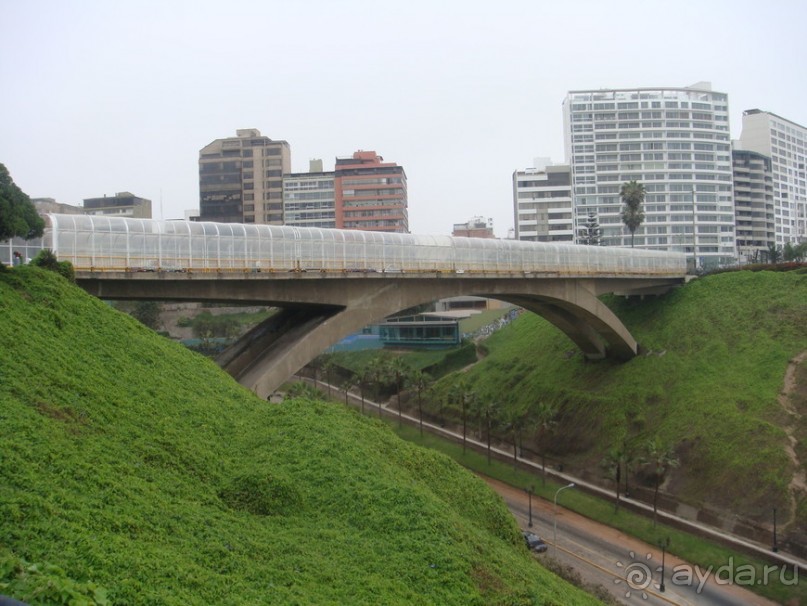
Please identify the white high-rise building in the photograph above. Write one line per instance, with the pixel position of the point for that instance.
(542, 203)
(309, 198)
(675, 142)
(785, 143)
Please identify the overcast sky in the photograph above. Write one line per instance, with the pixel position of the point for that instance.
(103, 96)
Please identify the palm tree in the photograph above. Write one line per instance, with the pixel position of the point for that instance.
(612, 463)
(365, 376)
(420, 381)
(328, 367)
(443, 399)
(466, 397)
(544, 422)
(486, 409)
(629, 457)
(348, 383)
(662, 459)
(632, 194)
(375, 373)
(399, 370)
(515, 421)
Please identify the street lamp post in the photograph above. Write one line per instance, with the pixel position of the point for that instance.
(663, 544)
(529, 490)
(555, 514)
(775, 547)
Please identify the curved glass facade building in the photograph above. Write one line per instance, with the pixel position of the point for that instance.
(674, 141)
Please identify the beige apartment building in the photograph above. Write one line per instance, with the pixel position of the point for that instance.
(241, 179)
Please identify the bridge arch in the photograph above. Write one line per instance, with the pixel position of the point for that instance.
(272, 352)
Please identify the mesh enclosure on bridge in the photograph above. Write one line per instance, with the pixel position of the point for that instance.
(115, 243)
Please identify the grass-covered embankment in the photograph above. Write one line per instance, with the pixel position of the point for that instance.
(129, 463)
(714, 358)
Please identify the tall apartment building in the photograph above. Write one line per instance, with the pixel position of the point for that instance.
(123, 204)
(370, 194)
(785, 143)
(309, 198)
(241, 179)
(753, 204)
(675, 141)
(542, 203)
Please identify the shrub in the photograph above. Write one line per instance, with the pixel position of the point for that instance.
(43, 583)
(47, 260)
(261, 494)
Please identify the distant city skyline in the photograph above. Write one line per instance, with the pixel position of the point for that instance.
(118, 97)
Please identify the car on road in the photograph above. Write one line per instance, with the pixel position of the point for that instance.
(534, 542)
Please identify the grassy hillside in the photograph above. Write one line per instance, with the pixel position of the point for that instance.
(135, 472)
(714, 358)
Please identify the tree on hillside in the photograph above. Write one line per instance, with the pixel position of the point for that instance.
(18, 217)
(794, 252)
(661, 459)
(612, 464)
(399, 370)
(514, 421)
(591, 233)
(348, 384)
(328, 366)
(543, 419)
(467, 399)
(366, 376)
(632, 195)
(486, 408)
(148, 313)
(419, 380)
(774, 253)
(444, 398)
(375, 373)
(629, 458)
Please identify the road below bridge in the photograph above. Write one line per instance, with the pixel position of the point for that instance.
(605, 556)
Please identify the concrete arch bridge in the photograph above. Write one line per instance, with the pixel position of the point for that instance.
(331, 283)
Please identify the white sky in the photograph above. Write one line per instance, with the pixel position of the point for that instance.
(102, 96)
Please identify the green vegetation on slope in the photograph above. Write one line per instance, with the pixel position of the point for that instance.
(714, 357)
(129, 463)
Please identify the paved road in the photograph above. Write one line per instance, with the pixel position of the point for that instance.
(605, 556)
